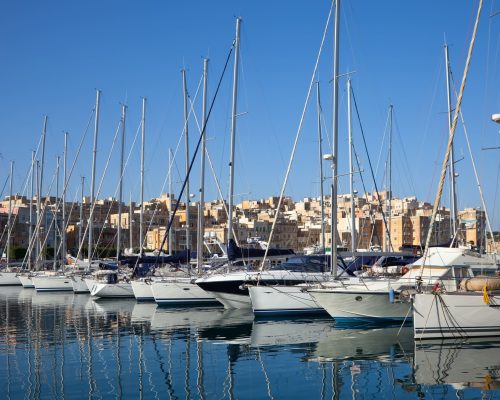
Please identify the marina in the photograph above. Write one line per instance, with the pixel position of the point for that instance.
(63, 345)
(194, 290)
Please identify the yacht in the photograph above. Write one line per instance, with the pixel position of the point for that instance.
(109, 284)
(387, 299)
(232, 288)
(52, 281)
(294, 299)
(471, 311)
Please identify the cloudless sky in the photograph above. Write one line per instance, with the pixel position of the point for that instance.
(54, 54)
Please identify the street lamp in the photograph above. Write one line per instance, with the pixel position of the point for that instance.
(494, 118)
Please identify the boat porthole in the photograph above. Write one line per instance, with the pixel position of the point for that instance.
(185, 288)
(358, 298)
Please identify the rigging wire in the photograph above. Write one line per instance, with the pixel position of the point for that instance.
(217, 183)
(451, 137)
(39, 222)
(371, 169)
(115, 138)
(476, 175)
(297, 136)
(170, 222)
(371, 215)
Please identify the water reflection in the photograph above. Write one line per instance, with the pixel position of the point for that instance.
(461, 363)
(60, 345)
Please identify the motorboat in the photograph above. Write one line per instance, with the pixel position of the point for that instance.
(232, 289)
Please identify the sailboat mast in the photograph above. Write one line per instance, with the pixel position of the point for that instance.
(143, 138)
(92, 182)
(201, 208)
(120, 190)
(389, 200)
(38, 223)
(335, 131)
(170, 194)
(233, 129)
(351, 168)
(30, 229)
(65, 186)
(130, 215)
(453, 195)
(80, 226)
(9, 218)
(40, 219)
(56, 213)
(321, 178)
(186, 136)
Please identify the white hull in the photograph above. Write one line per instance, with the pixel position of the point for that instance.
(368, 305)
(453, 315)
(9, 279)
(230, 300)
(180, 292)
(143, 290)
(109, 290)
(56, 283)
(231, 289)
(26, 281)
(79, 285)
(282, 300)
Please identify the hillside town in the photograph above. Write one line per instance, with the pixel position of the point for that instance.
(298, 226)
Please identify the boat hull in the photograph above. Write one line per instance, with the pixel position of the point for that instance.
(52, 283)
(26, 281)
(79, 285)
(452, 315)
(180, 292)
(361, 306)
(143, 291)
(110, 290)
(232, 289)
(9, 279)
(282, 300)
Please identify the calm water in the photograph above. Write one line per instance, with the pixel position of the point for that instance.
(65, 346)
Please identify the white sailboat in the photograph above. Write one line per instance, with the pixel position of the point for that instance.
(474, 311)
(109, 284)
(185, 290)
(8, 276)
(385, 299)
(112, 283)
(456, 315)
(233, 289)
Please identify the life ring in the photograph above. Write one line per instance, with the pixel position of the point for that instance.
(404, 270)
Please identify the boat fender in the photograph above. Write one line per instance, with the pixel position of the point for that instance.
(404, 270)
(392, 295)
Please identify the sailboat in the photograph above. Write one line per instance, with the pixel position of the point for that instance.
(474, 310)
(8, 276)
(111, 282)
(68, 280)
(179, 288)
(54, 280)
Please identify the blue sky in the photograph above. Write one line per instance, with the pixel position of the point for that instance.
(55, 54)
